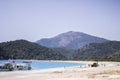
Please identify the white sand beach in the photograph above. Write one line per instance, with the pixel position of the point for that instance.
(105, 71)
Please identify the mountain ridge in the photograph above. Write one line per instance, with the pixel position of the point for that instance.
(71, 40)
(23, 49)
(101, 51)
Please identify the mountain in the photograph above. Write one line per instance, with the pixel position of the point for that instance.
(70, 40)
(22, 49)
(68, 53)
(102, 51)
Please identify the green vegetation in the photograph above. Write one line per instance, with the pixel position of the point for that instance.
(109, 51)
(22, 49)
(66, 52)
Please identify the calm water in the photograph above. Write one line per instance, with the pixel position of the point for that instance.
(38, 64)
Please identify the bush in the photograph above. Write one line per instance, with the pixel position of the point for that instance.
(94, 65)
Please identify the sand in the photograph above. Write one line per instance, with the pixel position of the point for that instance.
(105, 71)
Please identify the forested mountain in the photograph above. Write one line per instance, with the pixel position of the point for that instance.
(102, 51)
(66, 52)
(22, 49)
(70, 40)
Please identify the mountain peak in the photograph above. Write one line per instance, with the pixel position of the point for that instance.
(70, 39)
(72, 32)
(71, 35)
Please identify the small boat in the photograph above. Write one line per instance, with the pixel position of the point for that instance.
(6, 67)
(25, 65)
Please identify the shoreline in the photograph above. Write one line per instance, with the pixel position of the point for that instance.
(105, 71)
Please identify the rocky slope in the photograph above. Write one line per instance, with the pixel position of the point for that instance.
(71, 40)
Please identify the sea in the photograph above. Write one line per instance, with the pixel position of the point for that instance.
(43, 64)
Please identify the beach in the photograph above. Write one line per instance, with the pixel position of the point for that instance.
(105, 71)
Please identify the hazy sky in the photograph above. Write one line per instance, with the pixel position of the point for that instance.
(36, 19)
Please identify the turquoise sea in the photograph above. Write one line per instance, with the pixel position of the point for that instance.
(42, 64)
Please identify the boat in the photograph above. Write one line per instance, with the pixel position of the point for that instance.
(6, 67)
(25, 65)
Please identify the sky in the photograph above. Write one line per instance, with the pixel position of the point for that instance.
(35, 19)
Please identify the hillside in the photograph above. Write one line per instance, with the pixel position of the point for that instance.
(22, 49)
(101, 51)
(70, 40)
(68, 53)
